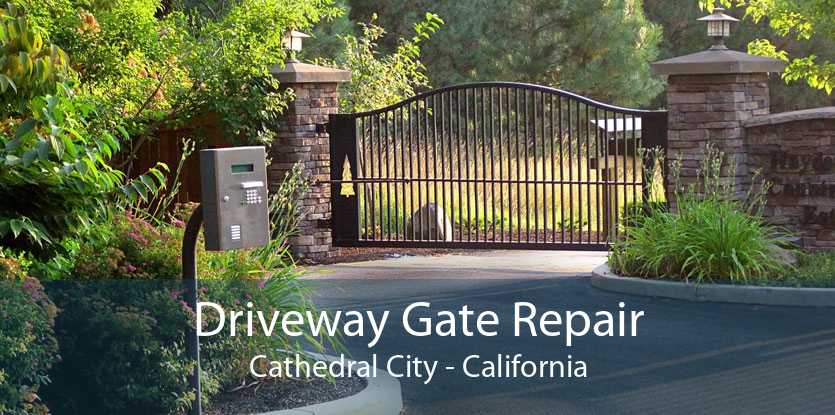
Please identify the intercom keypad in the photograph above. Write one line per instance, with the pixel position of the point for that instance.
(252, 193)
(234, 186)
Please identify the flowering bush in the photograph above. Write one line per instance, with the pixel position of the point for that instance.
(27, 343)
(124, 317)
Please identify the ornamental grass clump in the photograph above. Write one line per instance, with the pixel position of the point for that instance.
(714, 232)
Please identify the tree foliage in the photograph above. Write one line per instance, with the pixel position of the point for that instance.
(54, 166)
(802, 20)
(683, 34)
(158, 64)
(378, 80)
(600, 48)
(26, 60)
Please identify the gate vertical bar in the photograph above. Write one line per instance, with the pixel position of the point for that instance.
(395, 141)
(484, 158)
(625, 169)
(492, 166)
(501, 161)
(467, 160)
(386, 152)
(551, 137)
(589, 184)
(597, 176)
(405, 166)
(440, 201)
(579, 133)
(426, 171)
(526, 118)
(507, 117)
(570, 177)
(535, 173)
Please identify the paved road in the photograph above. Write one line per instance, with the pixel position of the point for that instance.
(688, 358)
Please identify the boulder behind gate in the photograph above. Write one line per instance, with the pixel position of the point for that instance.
(429, 223)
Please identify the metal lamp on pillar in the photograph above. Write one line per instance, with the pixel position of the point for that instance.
(292, 41)
(719, 27)
(710, 95)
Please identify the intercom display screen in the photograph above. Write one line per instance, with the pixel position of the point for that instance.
(243, 168)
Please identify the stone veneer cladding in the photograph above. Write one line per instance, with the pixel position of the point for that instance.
(798, 158)
(711, 108)
(298, 141)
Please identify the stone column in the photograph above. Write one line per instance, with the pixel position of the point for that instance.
(302, 138)
(710, 95)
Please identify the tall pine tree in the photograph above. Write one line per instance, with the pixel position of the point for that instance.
(599, 48)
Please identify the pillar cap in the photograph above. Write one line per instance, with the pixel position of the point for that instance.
(716, 62)
(303, 73)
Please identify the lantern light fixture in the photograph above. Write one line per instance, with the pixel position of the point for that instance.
(292, 41)
(718, 27)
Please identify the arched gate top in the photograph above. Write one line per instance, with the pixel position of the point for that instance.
(512, 85)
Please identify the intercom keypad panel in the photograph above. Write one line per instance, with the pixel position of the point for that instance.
(252, 193)
(235, 202)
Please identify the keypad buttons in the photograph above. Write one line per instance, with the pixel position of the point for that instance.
(252, 197)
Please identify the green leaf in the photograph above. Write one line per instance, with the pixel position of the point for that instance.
(69, 146)
(29, 156)
(140, 189)
(11, 160)
(25, 128)
(43, 149)
(16, 226)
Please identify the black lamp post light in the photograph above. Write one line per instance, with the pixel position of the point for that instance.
(719, 27)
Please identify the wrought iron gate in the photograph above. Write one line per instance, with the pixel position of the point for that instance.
(490, 165)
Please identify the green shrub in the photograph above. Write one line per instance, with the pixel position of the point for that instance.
(634, 213)
(54, 147)
(711, 235)
(378, 80)
(121, 343)
(813, 269)
(27, 343)
(122, 328)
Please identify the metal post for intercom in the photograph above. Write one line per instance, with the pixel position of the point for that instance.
(189, 254)
(233, 194)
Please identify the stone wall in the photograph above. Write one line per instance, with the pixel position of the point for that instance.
(796, 153)
(299, 141)
(711, 108)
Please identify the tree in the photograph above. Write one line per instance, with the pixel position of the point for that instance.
(600, 48)
(683, 34)
(802, 20)
(378, 80)
(152, 64)
(54, 161)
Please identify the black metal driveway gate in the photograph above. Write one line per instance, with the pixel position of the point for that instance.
(490, 165)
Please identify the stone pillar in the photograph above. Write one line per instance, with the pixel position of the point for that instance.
(710, 95)
(301, 138)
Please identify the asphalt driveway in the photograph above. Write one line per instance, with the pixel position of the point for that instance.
(688, 358)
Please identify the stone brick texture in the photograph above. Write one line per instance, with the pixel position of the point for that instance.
(798, 158)
(712, 109)
(298, 141)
